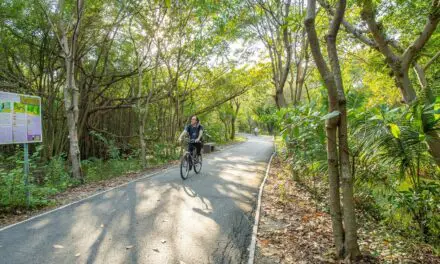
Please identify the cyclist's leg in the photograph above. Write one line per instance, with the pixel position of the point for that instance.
(199, 148)
(190, 150)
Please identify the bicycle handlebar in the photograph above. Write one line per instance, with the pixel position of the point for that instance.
(190, 141)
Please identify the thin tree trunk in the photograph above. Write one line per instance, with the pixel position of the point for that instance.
(334, 194)
(351, 244)
(233, 128)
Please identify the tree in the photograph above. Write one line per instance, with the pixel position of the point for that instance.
(271, 21)
(344, 231)
(67, 34)
(234, 103)
(400, 60)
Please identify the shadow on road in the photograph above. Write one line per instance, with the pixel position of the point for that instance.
(206, 219)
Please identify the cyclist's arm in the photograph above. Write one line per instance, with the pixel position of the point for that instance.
(200, 135)
(184, 132)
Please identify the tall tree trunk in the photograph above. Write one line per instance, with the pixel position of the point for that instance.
(143, 154)
(334, 186)
(345, 239)
(71, 92)
(350, 226)
(351, 247)
(71, 98)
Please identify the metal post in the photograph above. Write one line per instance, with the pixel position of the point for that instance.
(26, 173)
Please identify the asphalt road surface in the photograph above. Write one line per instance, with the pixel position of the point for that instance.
(207, 218)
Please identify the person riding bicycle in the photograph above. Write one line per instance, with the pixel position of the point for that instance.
(195, 133)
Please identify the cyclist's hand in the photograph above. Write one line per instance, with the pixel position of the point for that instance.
(197, 140)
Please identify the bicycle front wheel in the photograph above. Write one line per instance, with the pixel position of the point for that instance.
(185, 166)
(198, 165)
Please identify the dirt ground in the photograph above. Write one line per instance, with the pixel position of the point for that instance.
(293, 230)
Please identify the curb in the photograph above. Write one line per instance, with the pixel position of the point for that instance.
(253, 244)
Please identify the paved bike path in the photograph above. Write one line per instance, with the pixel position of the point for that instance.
(207, 218)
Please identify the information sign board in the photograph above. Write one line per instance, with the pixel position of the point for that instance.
(20, 119)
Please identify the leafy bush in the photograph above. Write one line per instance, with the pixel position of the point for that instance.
(393, 160)
(12, 182)
(396, 179)
(113, 151)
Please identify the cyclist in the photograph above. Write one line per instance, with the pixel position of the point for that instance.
(195, 133)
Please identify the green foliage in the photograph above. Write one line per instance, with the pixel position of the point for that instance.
(98, 170)
(302, 129)
(392, 159)
(12, 181)
(56, 174)
(397, 181)
(112, 150)
(215, 132)
(267, 115)
(423, 204)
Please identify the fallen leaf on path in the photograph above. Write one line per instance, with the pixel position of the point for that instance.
(57, 246)
(77, 254)
(128, 247)
(157, 250)
(163, 241)
(164, 220)
(264, 242)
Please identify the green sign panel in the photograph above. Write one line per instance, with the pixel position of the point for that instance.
(20, 119)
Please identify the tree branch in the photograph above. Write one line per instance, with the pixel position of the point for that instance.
(369, 16)
(209, 108)
(431, 61)
(309, 23)
(419, 43)
(358, 33)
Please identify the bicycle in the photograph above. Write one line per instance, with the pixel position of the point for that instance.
(190, 160)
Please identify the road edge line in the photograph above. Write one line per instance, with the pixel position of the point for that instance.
(86, 198)
(253, 244)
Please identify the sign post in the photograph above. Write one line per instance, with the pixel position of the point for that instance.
(26, 173)
(20, 123)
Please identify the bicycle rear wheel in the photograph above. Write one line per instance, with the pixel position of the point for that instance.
(198, 165)
(185, 166)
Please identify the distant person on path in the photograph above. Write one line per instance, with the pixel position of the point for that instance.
(195, 133)
(256, 131)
